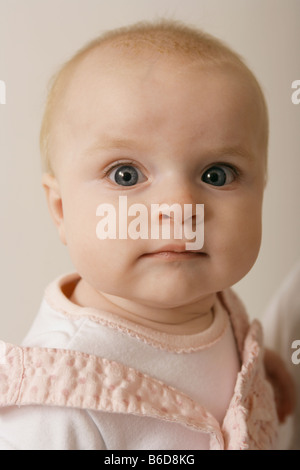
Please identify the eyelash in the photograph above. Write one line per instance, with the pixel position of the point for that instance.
(108, 170)
(227, 165)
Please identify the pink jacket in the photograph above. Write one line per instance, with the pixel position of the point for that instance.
(56, 377)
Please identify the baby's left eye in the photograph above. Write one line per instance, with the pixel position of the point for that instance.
(220, 175)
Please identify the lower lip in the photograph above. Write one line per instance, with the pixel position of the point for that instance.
(173, 255)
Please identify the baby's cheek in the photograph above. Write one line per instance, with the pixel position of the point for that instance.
(246, 245)
(236, 243)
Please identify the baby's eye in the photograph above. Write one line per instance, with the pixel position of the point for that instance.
(219, 175)
(126, 175)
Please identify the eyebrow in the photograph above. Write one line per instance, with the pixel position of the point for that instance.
(235, 151)
(109, 142)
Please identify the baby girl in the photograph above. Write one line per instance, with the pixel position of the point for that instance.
(146, 346)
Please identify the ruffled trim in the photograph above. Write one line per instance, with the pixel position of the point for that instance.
(251, 422)
(57, 300)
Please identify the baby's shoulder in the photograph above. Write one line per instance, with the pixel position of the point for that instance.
(52, 328)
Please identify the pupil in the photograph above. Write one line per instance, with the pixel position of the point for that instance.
(215, 176)
(126, 176)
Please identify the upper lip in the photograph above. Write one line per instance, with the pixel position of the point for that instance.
(175, 249)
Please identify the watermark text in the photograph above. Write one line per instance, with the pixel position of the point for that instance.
(2, 92)
(3, 359)
(165, 221)
(296, 354)
(296, 94)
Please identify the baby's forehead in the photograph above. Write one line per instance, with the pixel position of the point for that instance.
(106, 65)
(107, 75)
(141, 90)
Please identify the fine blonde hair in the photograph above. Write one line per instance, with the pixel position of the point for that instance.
(163, 37)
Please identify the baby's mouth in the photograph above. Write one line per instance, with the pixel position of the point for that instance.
(175, 252)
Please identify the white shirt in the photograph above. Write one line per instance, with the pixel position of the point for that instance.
(203, 366)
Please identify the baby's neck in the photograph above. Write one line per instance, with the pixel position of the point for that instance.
(183, 320)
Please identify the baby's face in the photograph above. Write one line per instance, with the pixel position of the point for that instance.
(183, 134)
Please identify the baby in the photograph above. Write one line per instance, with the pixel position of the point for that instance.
(146, 346)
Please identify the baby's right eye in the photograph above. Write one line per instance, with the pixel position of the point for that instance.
(126, 175)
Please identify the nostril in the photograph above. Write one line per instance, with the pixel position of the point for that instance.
(163, 216)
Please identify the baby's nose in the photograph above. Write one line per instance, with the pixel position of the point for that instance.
(180, 203)
(179, 190)
(180, 214)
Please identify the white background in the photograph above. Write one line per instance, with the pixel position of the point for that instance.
(37, 36)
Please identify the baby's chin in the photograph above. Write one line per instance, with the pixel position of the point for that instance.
(175, 299)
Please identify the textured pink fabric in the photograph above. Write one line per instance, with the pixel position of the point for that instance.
(73, 379)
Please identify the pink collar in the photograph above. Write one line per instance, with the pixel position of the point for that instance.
(41, 376)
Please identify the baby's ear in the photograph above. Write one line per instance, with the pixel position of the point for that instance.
(54, 200)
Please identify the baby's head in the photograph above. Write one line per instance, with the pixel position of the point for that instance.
(160, 114)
